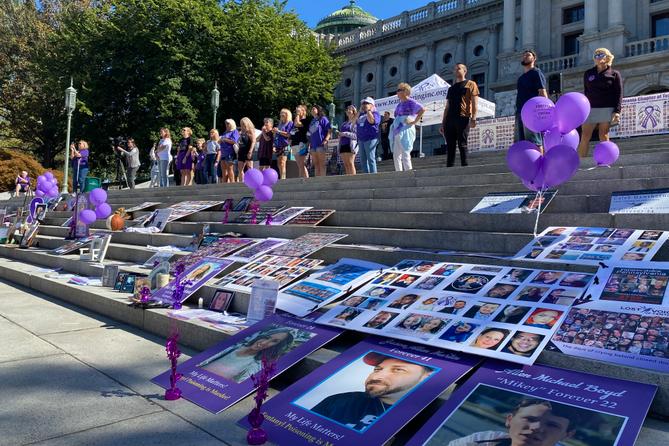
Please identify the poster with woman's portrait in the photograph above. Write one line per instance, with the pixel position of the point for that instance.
(220, 376)
(194, 277)
(537, 405)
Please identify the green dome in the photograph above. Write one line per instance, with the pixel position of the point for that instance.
(345, 19)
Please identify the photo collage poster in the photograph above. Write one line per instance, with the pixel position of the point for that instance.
(143, 206)
(185, 208)
(649, 201)
(481, 309)
(311, 217)
(194, 277)
(326, 285)
(307, 244)
(281, 218)
(590, 246)
(219, 249)
(284, 270)
(260, 216)
(259, 248)
(624, 318)
(513, 203)
(364, 396)
(538, 405)
(221, 376)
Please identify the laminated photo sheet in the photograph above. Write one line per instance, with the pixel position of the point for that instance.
(261, 215)
(221, 376)
(326, 285)
(364, 396)
(537, 405)
(259, 248)
(219, 249)
(591, 246)
(513, 203)
(478, 309)
(184, 208)
(158, 257)
(284, 270)
(194, 277)
(307, 244)
(143, 206)
(312, 217)
(282, 217)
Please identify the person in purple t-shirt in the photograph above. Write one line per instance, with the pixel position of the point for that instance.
(228, 141)
(319, 134)
(403, 131)
(347, 140)
(79, 157)
(367, 129)
(281, 140)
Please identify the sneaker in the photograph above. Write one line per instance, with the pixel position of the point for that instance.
(379, 159)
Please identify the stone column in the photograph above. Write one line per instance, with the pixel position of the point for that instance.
(527, 19)
(615, 14)
(509, 28)
(493, 49)
(460, 48)
(379, 77)
(356, 84)
(430, 55)
(404, 66)
(590, 22)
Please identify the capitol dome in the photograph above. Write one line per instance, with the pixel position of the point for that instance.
(345, 19)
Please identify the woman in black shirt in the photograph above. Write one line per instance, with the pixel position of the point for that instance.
(247, 142)
(298, 139)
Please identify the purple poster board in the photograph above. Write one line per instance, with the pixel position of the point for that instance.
(220, 376)
(540, 406)
(363, 396)
(198, 274)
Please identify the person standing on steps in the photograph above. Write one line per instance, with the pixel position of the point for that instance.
(384, 128)
(367, 131)
(348, 139)
(79, 160)
(281, 140)
(246, 143)
(531, 83)
(459, 114)
(403, 131)
(213, 157)
(319, 135)
(131, 161)
(163, 152)
(299, 140)
(603, 86)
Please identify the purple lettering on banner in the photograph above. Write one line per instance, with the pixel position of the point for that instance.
(570, 401)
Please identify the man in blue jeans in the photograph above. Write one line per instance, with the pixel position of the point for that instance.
(367, 130)
(530, 84)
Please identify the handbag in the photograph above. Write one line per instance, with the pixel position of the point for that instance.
(235, 146)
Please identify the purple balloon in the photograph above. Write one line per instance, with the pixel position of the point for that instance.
(521, 158)
(553, 138)
(606, 153)
(103, 210)
(53, 192)
(253, 179)
(46, 185)
(571, 110)
(560, 164)
(39, 193)
(270, 177)
(264, 193)
(41, 179)
(49, 175)
(87, 216)
(537, 114)
(97, 196)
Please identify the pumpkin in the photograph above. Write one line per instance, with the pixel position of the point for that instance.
(116, 222)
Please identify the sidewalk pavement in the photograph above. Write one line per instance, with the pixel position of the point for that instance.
(70, 377)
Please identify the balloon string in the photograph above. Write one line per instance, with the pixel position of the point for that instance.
(540, 196)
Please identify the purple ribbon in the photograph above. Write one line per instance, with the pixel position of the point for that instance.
(648, 114)
(488, 136)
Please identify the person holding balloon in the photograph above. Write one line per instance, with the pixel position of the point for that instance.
(530, 84)
(603, 86)
(79, 157)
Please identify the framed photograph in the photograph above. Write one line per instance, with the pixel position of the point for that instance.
(221, 300)
(243, 204)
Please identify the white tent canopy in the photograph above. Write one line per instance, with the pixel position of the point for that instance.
(431, 94)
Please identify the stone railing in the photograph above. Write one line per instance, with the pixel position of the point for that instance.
(558, 64)
(406, 20)
(647, 46)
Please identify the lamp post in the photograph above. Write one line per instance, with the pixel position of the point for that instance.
(70, 105)
(215, 101)
(331, 115)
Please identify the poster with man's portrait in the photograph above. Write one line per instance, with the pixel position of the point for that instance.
(363, 396)
(506, 405)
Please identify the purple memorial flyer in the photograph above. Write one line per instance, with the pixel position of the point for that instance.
(507, 404)
(362, 397)
(195, 276)
(220, 376)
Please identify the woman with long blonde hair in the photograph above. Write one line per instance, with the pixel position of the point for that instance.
(299, 139)
(281, 140)
(228, 153)
(164, 156)
(247, 141)
(184, 160)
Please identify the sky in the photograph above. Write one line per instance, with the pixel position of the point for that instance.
(311, 11)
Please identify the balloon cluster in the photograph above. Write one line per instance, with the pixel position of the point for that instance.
(557, 123)
(261, 182)
(98, 197)
(47, 186)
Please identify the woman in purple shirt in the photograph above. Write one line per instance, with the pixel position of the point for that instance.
(403, 131)
(604, 89)
(367, 129)
(228, 154)
(319, 135)
(347, 140)
(79, 157)
(281, 140)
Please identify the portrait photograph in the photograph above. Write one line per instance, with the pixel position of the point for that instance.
(221, 300)
(511, 314)
(386, 278)
(547, 277)
(517, 275)
(501, 291)
(345, 316)
(562, 296)
(482, 310)
(470, 283)
(446, 270)
(404, 301)
(371, 303)
(532, 293)
(543, 318)
(459, 332)
(576, 280)
(490, 338)
(523, 343)
(639, 285)
(380, 320)
(405, 280)
(342, 274)
(650, 235)
(379, 291)
(429, 282)
(455, 306)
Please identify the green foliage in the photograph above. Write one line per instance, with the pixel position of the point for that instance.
(13, 162)
(139, 65)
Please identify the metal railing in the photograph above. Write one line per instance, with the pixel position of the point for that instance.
(558, 64)
(647, 46)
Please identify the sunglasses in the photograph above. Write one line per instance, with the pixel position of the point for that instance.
(599, 56)
(399, 89)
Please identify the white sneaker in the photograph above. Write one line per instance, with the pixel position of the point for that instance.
(379, 159)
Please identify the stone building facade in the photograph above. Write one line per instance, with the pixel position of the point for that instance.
(489, 35)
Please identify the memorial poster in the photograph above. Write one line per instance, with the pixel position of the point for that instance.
(651, 201)
(73, 245)
(307, 244)
(243, 204)
(513, 203)
(282, 269)
(220, 376)
(590, 246)
(311, 217)
(158, 257)
(478, 309)
(185, 208)
(536, 405)
(219, 249)
(282, 217)
(259, 248)
(326, 285)
(194, 277)
(143, 206)
(363, 396)
(261, 215)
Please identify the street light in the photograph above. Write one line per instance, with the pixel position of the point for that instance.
(70, 105)
(331, 115)
(215, 101)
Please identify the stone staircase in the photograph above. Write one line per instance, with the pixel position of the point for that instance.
(389, 216)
